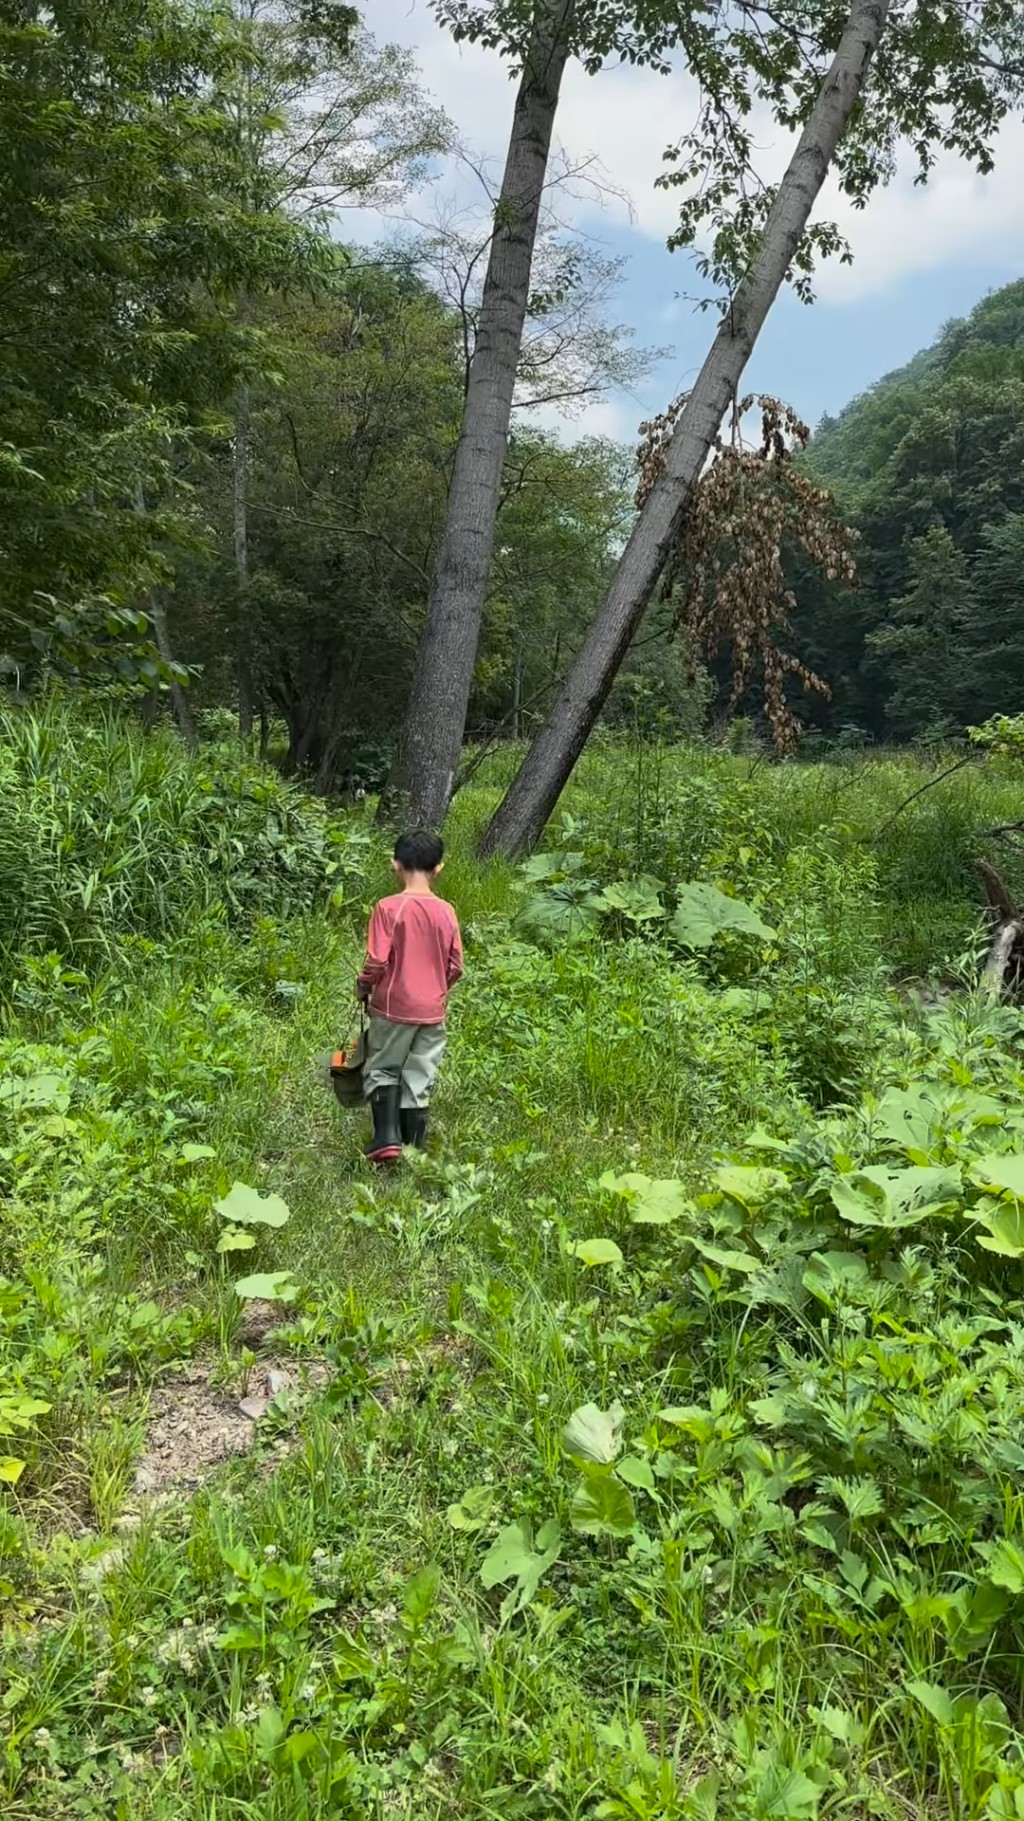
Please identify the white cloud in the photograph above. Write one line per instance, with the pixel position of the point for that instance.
(911, 228)
(615, 418)
(627, 117)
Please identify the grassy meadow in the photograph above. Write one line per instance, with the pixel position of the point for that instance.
(652, 1448)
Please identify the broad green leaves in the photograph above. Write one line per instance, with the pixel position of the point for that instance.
(651, 1202)
(1001, 1171)
(601, 1505)
(877, 1196)
(19, 1093)
(750, 1185)
(594, 1435)
(703, 913)
(1004, 1227)
(934, 1700)
(515, 1556)
(636, 901)
(473, 1509)
(268, 1286)
(592, 1252)
(245, 1207)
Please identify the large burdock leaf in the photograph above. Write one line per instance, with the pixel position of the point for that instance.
(1004, 1221)
(703, 912)
(245, 1207)
(1000, 1170)
(652, 1201)
(880, 1197)
(592, 1252)
(268, 1287)
(513, 1556)
(602, 1505)
(594, 1435)
(749, 1185)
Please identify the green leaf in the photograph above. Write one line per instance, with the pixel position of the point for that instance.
(602, 1505)
(594, 1435)
(11, 1469)
(726, 1258)
(653, 1202)
(268, 1286)
(750, 1185)
(421, 1594)
(691, 1418)
(592, 1252)
(18, 1412)
(877, 1196)
(703, 913)
(999, 1171)
(239, 1638)
(473, 1509)
(908, 1117)
(743, 1001)
(513, 1557)
(635, 1471)
(235, 1239)
(34, 1091)
(934, 1700)
(843, 1726)
(245, 1207)
(861, 1497)
(782, 1793)
(1004, 1564)
(835, 1276)
(195, 1153)
(353, 1660)
(1004, 1224)
(638, 900)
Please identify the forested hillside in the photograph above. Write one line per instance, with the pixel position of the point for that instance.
(929, 466)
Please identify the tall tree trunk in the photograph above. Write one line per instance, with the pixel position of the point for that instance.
(520, 819)
(157, 610)
(423, 774)
(240, 526)
(179, 700)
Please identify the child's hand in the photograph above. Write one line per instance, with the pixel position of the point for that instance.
(362, 992)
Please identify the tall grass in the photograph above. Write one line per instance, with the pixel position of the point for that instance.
(683, 812)
(310, 1635)
(107, 831)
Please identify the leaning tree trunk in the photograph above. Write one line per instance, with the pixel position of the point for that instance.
(424, 771)
(520, 819)
(1003, 974)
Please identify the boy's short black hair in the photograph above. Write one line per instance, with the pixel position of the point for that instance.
(419, 852)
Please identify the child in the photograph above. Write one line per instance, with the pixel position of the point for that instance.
(413, 957)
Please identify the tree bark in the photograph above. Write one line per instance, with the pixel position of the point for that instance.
(240, 527)
(179, 700)
(520, 819)
(423, 774)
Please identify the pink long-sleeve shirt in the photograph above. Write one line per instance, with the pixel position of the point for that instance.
(413, 958)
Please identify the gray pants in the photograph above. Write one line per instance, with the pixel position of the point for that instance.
(409, 1053)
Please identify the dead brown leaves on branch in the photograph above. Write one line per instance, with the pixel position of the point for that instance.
(751, 505)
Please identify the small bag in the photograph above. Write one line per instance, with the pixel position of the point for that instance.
(345, 1066)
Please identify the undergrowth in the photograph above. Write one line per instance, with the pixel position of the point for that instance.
(650, 1449)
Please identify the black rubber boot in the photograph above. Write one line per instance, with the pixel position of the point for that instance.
(385, 1145)
(414, 1127)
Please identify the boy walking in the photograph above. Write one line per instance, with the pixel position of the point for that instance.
(413, 958)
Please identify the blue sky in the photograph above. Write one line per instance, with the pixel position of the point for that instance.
(922, 255)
